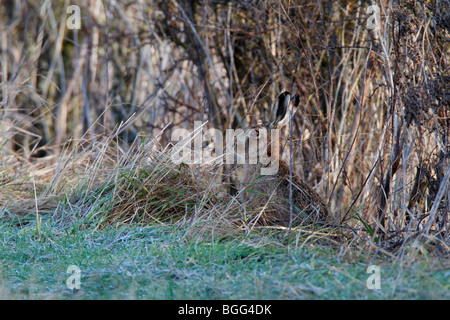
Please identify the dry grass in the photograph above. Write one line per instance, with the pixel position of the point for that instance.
(371, 134)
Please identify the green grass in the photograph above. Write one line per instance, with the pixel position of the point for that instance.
(154, 262)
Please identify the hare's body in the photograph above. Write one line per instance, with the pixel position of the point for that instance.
(272, 192)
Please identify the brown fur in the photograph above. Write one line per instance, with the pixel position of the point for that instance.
(308, 206)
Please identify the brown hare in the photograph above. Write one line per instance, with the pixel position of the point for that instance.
(272, 191)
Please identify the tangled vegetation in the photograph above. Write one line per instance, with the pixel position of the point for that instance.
(86, 114)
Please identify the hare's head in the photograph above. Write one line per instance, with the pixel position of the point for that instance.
(266, 132)
(263, 139)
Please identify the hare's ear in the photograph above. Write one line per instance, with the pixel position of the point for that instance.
(295, 100)
(279, 114)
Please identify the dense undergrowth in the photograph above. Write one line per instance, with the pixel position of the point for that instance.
(87, 116)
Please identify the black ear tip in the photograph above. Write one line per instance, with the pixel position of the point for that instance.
(282, 97)
(296, 100)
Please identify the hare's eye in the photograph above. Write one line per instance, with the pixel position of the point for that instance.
(255, 133)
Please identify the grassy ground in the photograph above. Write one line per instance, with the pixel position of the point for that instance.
(88, 118)
(155, 262)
